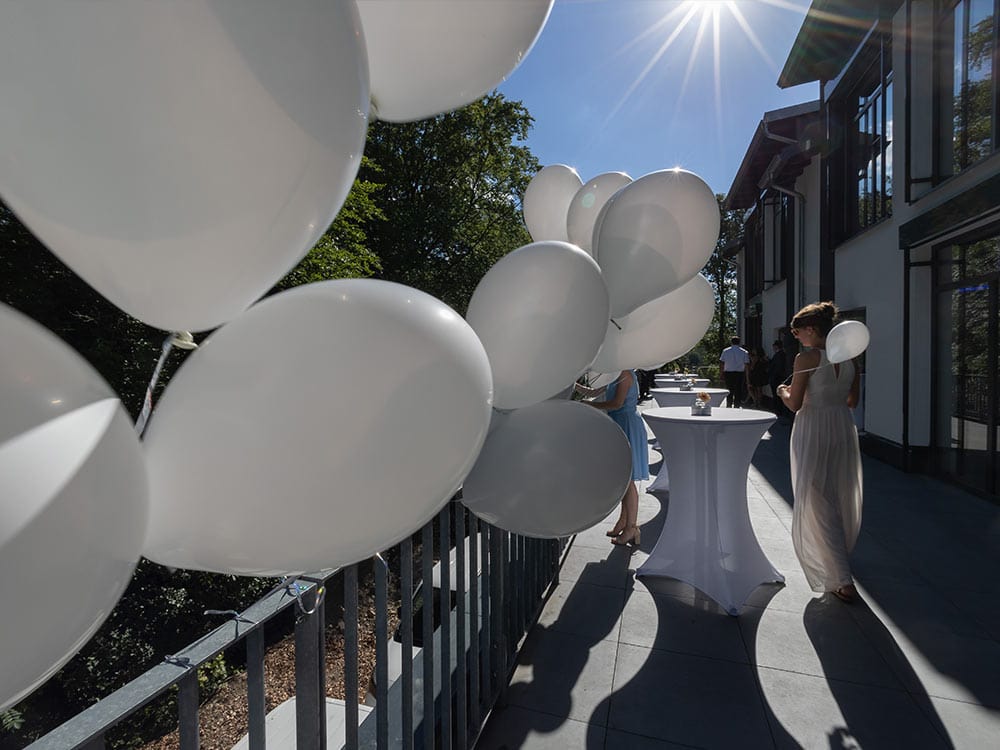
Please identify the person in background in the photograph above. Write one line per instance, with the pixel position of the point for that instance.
(758, 376)
(620, 399)
(825, 460)
(646, 381)
(735, 365)
(777, 371)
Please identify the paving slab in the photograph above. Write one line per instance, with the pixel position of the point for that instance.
(913, 664)
(564, 675)
(690, 700)
(820, 712)
(513, 727)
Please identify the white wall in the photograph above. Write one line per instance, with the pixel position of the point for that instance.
(869, 274)
(773, 313)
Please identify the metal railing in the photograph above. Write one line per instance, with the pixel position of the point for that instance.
(442, 696)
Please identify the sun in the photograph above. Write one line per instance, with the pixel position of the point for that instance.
(701, 18)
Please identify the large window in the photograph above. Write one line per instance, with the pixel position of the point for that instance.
(784, 235)
(861, 168)
(966, 53)
(754, 234)
(968, 361)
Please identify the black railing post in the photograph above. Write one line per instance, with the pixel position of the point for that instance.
(461, 718)
(351, 656)
(444, 524)
(475, 625)
(427, 630)
(406, 629)
(256, 706)
(381, 571)
(310, 699)
(187, 710)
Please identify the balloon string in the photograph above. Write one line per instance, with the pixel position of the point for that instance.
(788, 380)
(295, 590)
(180, 339)
(147, 402)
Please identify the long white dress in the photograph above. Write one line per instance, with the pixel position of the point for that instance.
(826, 478)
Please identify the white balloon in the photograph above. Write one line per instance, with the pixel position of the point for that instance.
(324, 424)
(587, 204)
(434, 56)
(546, 202)
(659, 331)
(73, 504)
(846, 340)
(601, 379)
(655, 235)
(181, 157)
(540, 312)
(551, 469)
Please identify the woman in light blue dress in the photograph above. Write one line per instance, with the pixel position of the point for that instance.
(621, 397)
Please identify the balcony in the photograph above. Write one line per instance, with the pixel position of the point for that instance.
(607, 661)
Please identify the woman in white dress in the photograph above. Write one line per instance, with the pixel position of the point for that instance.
(825, 461)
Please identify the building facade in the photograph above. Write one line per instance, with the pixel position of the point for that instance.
(884, 195)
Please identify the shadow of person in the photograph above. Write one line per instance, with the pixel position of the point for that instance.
(692, 681)
(565, 663)
(874, 715)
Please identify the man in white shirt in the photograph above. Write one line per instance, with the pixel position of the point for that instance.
(735, 365)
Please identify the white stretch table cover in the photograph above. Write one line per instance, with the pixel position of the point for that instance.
(707, 539)
(672, 382)
(677, 397)
(669, 379)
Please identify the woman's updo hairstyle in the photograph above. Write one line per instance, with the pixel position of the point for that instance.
(821, 315)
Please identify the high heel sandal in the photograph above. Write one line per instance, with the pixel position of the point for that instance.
(847, 593)
(616, 531)
(631, 535)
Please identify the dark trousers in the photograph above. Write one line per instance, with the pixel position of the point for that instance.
(735, 381)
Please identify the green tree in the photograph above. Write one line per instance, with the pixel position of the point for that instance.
(451, 195)
(342, 252)
(721, 273)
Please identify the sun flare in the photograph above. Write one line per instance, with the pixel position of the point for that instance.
(690, 21)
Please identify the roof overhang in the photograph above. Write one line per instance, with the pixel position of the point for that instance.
(783, 144)
(831, 31)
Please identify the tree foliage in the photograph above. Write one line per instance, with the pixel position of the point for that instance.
(721, 274)
(451, 195)
(342, 252)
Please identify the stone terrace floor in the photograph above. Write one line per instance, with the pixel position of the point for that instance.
(615, 662)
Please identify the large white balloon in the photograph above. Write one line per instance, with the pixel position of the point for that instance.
(551, 469)
(587, 204)
(73, 504)
(546, 202)
(180, 157)
(846, 340)
(655, 235)
(432, 56)
(322, 425)
(659, 331)
(540, 312)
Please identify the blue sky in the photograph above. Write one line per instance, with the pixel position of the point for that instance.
(624, 85)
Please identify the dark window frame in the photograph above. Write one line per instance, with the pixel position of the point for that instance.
(944, 40)
(860, 174)
(951, 272)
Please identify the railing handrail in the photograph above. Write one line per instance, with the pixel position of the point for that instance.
(475, 640)
(93, 721)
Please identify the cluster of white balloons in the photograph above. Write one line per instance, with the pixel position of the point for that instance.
(181, 159)
(610, 283)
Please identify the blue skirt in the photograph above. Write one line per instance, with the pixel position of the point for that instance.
(635, 430)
